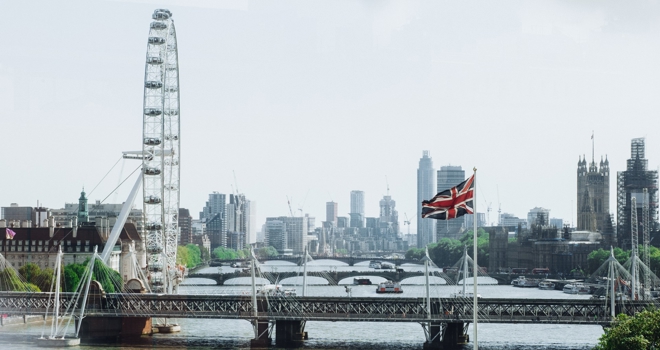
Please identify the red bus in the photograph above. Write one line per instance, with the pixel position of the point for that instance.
(541, 271)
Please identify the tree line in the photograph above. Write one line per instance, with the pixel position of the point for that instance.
(40, 280)
(448, 251)
(222, 253)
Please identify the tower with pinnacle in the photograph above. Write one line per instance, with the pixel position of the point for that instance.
(83, 213)
(593, 194)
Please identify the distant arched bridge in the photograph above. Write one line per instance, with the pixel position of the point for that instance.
(332, 277)
(350, 260)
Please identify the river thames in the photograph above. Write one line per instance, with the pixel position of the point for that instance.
(236, 334)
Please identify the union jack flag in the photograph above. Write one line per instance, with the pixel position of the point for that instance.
(451, 203)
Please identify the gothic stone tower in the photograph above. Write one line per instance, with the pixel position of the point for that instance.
(593, 195)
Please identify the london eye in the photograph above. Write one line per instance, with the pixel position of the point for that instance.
(161, 152)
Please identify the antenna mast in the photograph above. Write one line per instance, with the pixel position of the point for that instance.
(388, 185)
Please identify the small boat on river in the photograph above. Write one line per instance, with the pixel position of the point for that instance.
(459, 294)
(546, 285)
(576, 288)
(276, 290)
(389, 287)
(523, 282)
(361, 281)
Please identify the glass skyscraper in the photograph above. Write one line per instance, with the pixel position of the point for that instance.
(448, 177)
(425, 190)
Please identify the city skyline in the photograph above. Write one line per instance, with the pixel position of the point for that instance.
(342, 89)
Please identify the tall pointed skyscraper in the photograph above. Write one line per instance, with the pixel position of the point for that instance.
(425, 190)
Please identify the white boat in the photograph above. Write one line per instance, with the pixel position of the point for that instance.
(389, 287)
(546, 285)
(386, 266)
(373, 264)
(576, 288)
(276, 290)
(469, 295)
(523, 282)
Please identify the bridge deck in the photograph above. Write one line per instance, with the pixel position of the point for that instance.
(329, 308)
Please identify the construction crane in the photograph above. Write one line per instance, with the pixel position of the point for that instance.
(303, 204)
(237, 196)
(288, 201)
(407, 222)
(488, 213)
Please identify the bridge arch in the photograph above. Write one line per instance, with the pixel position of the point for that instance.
(480, 280)
(246, 281)
(324, 262)
(298, 281)
(199, 281)
(421, 280)
(279, 263)
(373, 279)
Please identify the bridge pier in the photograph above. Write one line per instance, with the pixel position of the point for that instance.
(263, 339)
(455, 334)
(444, 336)
(290, 333)
(114, 328)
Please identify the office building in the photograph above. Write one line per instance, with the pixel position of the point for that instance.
(276, 235)
(216, 205)
(185, 227)
(425, 191)
(296, 229)
(357, 209)
(448, 177)
(251, 214)
(331, 209)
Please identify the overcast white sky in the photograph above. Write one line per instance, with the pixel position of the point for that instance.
(313, 99)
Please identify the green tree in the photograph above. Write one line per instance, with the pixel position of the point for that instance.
(446, 252)
(34, 275)
(194, 255)
(415, 253)
(266, 252)
(639, 332)
(71, 279)
(223, 253)
(483, 242)
(11, 281)
(596, 258)
(109, 279)
(182, 255)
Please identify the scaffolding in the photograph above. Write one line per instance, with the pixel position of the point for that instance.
(631, 184)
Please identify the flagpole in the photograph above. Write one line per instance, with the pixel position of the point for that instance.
(474, 258)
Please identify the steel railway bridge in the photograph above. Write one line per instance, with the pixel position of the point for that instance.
(447, 320)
